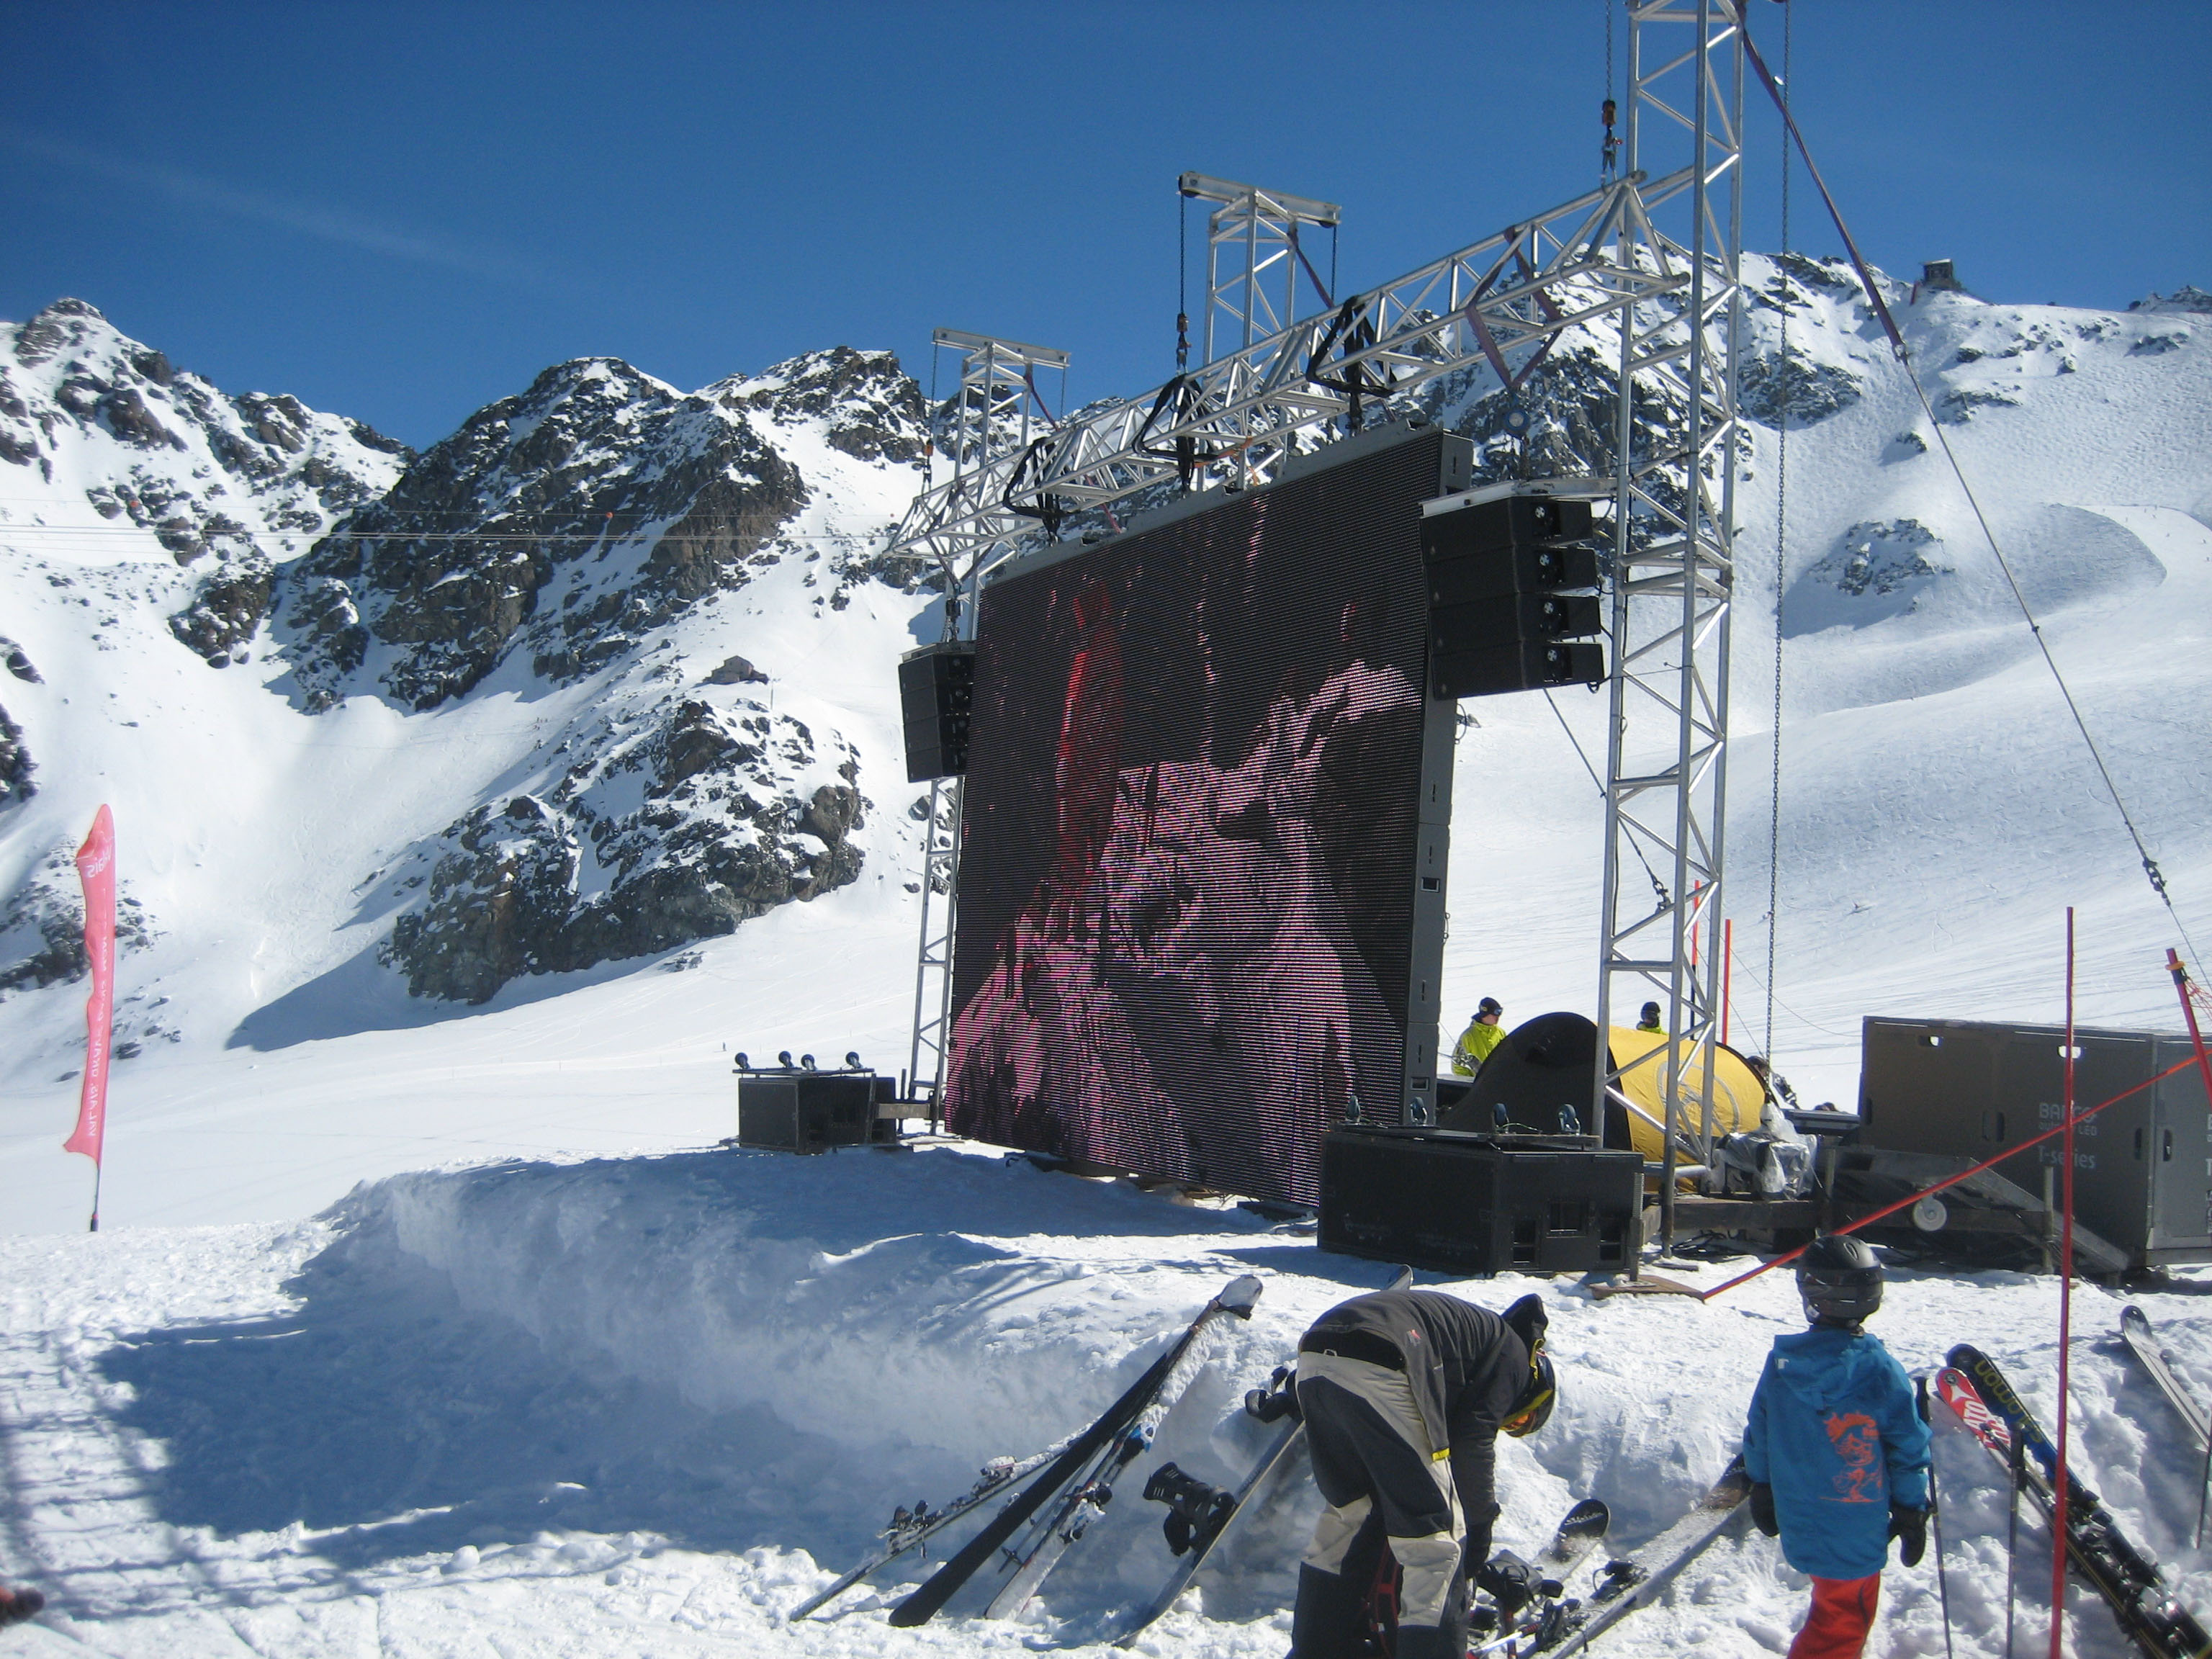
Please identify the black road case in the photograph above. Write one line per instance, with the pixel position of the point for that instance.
(1455, 1203)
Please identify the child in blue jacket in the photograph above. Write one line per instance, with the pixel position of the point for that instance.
(1836, 1452)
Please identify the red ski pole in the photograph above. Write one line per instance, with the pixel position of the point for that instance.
(2065, 1324)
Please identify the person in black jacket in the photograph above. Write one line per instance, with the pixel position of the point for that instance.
(1404, 1393)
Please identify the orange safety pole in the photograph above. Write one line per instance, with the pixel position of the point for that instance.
(2173, 965)
(1727, 962)
(2059, 1481)
(1910, 1199)
(2189, 994)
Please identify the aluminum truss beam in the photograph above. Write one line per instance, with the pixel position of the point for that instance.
(1673, 562)
(1254, 259)
(1499, 304)
(996, 412)
(999, 407)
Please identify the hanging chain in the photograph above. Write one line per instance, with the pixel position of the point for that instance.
(1182, 282)
(1608, 159)
(1781, 571)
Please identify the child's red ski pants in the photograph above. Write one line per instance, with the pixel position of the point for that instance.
(1842, 1613)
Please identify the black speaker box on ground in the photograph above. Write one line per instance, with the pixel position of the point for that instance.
(811, 1111)
(937, 689)
(1478, 1203)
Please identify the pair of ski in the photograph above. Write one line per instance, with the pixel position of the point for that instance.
(1984, 1399)
(1208, 1512)
(1582, 1594)
(1533, 1608)
(1074, 1478)
(2143, 1342)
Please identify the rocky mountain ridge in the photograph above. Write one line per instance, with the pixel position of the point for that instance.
(588, 541)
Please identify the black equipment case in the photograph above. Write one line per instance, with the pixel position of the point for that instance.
(799, 1111)
(2142, 1176)
(1455, 1203)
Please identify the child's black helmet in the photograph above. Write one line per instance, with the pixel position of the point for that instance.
(1840, 1278)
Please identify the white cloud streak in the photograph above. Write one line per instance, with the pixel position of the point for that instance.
(329, 224)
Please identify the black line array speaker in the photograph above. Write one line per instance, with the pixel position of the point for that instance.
(937, 689)
(1471, 1204)
(1504, 612)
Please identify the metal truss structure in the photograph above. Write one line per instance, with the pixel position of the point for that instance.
(1643, 267)
(1251, 247)
(996, 412)
(1673, 562)
(999, 408)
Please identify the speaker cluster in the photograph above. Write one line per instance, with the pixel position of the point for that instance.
(1510, 580)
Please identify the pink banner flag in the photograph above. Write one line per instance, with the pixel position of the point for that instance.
(96, 868)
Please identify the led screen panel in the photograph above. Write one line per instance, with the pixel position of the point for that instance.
(1191, 891)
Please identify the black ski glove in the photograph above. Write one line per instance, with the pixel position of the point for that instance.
(1762, 1509)
(1909, 1527)
(1278, 1399)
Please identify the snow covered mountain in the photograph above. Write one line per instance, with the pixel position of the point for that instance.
(487, 702)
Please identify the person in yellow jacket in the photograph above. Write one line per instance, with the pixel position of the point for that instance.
(1483, 1034)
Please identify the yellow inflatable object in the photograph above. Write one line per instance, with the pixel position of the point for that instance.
(1641, 1058)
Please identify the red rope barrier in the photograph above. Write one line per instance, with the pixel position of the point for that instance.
(1910, 1199)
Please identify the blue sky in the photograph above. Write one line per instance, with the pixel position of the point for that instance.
(401, 212)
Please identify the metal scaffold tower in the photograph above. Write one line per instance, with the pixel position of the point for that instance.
(1643, 269)
(1673, 561)
(996, 412)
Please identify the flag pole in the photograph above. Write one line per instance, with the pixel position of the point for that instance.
(96, 869)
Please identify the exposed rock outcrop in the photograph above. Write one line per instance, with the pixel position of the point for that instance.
(659, 833)
(559, 525)
(42, 927)
(16, 767)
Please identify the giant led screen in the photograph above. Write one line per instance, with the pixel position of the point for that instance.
(1188, 883)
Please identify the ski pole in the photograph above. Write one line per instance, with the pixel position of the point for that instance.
(2203, 1495)
(1936, 1517)
(2012, 1543)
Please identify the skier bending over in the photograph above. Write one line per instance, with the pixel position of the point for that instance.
(1403, 1394)
(1836, 1454)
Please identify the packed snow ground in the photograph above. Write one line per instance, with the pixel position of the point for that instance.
(644, 1406)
